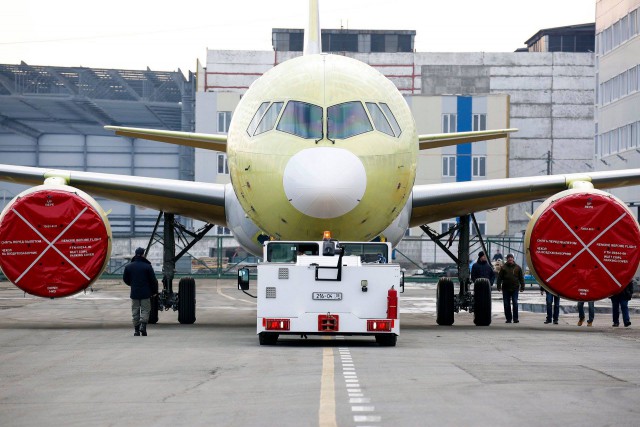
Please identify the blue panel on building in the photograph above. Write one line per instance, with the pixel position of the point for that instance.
(463, 151)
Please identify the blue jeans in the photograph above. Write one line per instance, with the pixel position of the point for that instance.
(592, 311)
(555, 301)
(617, 306)
(508, 298)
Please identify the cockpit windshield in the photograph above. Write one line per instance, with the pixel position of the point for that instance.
(379, 120)
(347, 120)
(392, 119)
(256, 118)
(269, 119)
(301, 119)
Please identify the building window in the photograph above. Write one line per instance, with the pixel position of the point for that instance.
(479, 166)
(449, 124)
(479, 122)
(222, 231)
(446, 225)
(483, 229)
(223, 165)
(448, 165)
(224, 119)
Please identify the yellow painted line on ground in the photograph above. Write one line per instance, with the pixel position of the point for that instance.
(327, 413)
(219, 291)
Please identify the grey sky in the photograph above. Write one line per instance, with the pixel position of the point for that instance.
(167, 35)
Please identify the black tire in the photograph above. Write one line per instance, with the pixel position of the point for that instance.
(444, 302)
(267, 338)
(387, 340)
(153, 313)
(482, 302)
(187, 301)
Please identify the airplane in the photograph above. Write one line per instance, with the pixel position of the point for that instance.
(319, 142)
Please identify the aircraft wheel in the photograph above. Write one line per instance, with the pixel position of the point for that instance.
(387, 340)
(482, 302)
(444, 302)
(267, 338)
(153, 313)
(187, 300)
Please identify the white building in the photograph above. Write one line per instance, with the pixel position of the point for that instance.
(617, 118)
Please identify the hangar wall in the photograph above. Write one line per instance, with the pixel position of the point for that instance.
(53, 117)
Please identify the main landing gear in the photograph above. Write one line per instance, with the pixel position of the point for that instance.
(477, 301)
(184, 301)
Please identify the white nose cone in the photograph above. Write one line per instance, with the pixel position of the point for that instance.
(324, 182)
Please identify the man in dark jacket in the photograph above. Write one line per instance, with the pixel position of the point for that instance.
(139, 275)
(482, 269)
(510, 280)
(620, 302)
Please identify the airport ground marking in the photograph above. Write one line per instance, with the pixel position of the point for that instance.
(327, 411)
(219, 291)
(357, 399)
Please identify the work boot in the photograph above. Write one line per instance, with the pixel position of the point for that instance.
(137, 331)
(581, 321)
(143, 329)
(589, 323)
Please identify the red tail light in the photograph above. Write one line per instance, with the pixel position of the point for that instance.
(383, 325)
(276, 324)
(328, 322)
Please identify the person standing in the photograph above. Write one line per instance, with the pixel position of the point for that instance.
(482, 269)
(620, 302)
(497, 257)
(592, 313)
(139, 275)
(510, 280)
(553, 307)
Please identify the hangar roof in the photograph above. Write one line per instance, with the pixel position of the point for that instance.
(36, 100)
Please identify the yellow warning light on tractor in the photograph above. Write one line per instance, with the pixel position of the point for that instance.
(326, 235)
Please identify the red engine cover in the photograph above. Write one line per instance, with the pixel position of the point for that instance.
(53, 243)
(584, 245)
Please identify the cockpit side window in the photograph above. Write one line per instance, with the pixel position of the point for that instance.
(256, 118)
(301, 119)
(269, 119)
(347, 120)
(392, 119)
(379, 120)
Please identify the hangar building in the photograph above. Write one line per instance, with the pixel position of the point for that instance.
(53, 117)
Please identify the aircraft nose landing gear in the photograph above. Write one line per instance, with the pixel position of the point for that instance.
(184, 301)
(478, 301)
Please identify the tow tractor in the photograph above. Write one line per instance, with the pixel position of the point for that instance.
(326, 288)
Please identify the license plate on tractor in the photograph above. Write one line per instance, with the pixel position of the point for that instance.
(329, 296)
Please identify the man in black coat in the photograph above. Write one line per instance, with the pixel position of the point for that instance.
(139, 275)
(482, 269)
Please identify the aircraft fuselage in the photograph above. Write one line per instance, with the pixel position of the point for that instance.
(322, 142)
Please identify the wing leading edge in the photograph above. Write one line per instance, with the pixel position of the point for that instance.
(202, 201)
(189, 139)
(438, 140)
(435, 202)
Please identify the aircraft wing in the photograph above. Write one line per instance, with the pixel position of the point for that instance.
(435, 202)
(196, 140)
(437, 140)
(197, 200)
